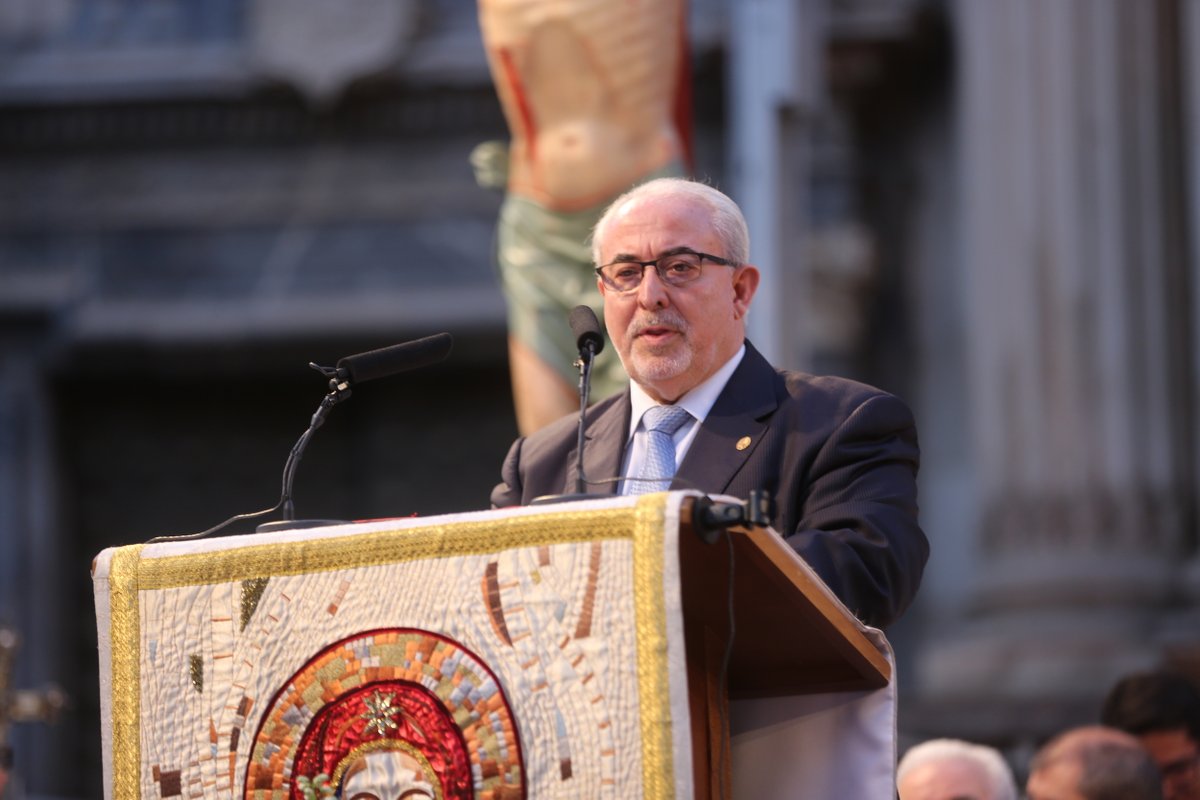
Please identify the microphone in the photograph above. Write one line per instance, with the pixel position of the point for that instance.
(349, 370)
(367, 366)
(585, 326)
(388, 361)
(590, 341)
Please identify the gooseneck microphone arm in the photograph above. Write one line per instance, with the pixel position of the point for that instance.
(590, 342)
(352, 369)
(355, 369)
(585, 381)
(339, 390)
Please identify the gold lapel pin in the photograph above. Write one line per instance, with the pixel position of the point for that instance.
(743, 443)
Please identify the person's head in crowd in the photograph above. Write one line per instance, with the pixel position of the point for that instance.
(951, 769)
(1093, 762)
(1162, 709)
(675, 282)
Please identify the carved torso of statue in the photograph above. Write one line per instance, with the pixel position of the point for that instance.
(589, 89)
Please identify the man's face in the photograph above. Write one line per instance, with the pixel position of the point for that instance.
(671, 338)
(1178, 758)
(1058, 780)
(949, 779)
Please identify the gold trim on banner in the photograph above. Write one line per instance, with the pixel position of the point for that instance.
(382, 547)
(643, 524)
(125, 644)
(654, 693)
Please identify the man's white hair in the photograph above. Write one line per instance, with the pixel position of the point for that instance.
(727, 220)
(988, 759)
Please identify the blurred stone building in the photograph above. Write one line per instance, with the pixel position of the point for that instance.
(988, 208)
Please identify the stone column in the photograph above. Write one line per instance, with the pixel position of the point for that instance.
(1078, 371)
(776, 54)
(1182, 638)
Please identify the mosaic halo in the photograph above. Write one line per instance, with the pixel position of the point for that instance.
(392, 690)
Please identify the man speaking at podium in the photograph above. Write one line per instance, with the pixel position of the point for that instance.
(838, 457)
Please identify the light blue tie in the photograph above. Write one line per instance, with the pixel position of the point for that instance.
(659, 465)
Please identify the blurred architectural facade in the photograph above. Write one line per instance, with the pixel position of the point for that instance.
(991, 209)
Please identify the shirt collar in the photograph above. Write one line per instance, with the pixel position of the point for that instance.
(698, 400)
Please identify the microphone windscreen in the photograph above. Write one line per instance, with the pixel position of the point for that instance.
(398, 358)
(586, 328)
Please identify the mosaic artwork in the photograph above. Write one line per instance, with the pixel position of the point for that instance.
(333, 668)
(427, 712)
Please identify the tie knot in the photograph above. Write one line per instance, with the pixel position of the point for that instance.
(667, 419)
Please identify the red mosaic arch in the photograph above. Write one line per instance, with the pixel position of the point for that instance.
(393, 689)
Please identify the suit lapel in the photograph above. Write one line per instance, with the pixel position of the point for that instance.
(733, 429)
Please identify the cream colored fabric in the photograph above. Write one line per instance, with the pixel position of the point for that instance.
(574, 610)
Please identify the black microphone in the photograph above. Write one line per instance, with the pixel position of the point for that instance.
(590, 341)
(588, 336)
(350, 370)
(387, 361)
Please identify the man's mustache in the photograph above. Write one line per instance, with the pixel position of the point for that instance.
(661, 319)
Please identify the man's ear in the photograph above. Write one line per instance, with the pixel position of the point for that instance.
(745, 284)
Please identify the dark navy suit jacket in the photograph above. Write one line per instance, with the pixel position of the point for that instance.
(839, 457)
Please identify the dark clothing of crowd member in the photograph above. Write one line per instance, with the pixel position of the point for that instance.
(1162, 709)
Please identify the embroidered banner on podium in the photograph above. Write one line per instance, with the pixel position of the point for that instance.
(507, 654)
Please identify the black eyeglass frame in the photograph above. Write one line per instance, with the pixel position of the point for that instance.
(655, 262)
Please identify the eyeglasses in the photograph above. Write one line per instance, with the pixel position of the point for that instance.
(674, 269)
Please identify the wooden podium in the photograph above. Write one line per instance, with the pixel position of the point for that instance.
(568, 651)
(791, 637)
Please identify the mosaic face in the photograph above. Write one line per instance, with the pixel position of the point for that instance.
(391, 775)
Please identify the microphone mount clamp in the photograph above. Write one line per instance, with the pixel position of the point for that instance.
(339, 381)
(710, 517)
(339, 390)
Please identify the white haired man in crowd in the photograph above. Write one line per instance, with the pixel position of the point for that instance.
(951, 769)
